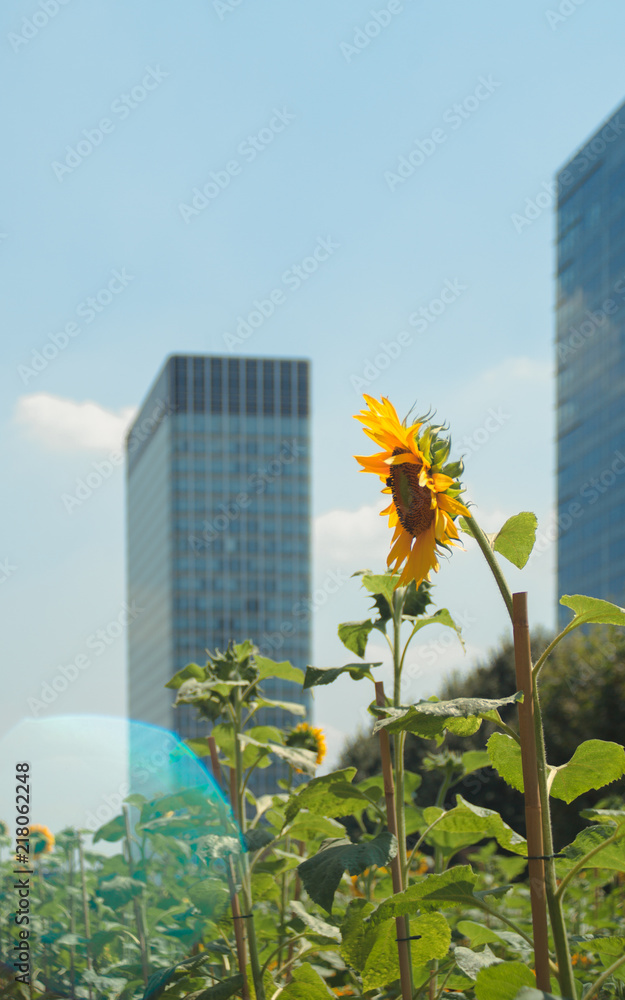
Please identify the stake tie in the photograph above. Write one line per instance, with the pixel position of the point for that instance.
(544, 857)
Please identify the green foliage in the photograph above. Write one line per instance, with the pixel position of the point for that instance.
(591, 610)
(307, 984)
(594, 764)
(467, 824)
(595, 839)
(430, 719)
(505, 756)
(316, 676)
(503, 981)
(515, 540)
(330, 795)
(321, 874)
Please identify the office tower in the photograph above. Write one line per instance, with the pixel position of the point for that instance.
(218, 527)
(590, 346)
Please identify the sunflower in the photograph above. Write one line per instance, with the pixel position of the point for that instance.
(43, 839)
(424, 489)
(309, 738)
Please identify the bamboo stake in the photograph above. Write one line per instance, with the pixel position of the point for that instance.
(237, 921)
(403, 945)
(533, 809)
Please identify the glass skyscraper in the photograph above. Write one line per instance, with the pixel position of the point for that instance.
(218, 513)
(590, 344)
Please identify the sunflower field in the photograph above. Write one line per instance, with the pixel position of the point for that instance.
(331, 886)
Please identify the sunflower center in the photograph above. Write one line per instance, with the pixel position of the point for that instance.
(413, 503)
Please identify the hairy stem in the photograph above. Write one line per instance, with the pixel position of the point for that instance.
(246, 881)
(554, 901)
(489, 555)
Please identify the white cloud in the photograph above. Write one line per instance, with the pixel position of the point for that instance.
(520, 369)
(66, 425)
(356, 539)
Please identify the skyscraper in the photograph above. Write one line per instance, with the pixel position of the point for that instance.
(590, 344)
(218, 525)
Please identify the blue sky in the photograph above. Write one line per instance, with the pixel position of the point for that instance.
(488, 100)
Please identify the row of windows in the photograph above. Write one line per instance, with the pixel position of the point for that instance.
(238, 385)
(266, 569)
(251, 546)
(186, 624)
(268, 503)
(281, 646)
(251, 526)
(202, 444)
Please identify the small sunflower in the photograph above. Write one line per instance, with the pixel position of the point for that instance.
(42, 838)
(424, 489)
(309, 738)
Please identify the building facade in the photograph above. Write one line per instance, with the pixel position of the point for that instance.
(590, 350)
(218, 526)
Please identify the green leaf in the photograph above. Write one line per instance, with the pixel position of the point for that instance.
(257, 837)
(612, 856)
(594, 764)
(355, 635)
(119, 890)
(591, 610)
(223, 734)
(136, 799)
(330, 795)
(466, 824)
(503, 981)
(471, 962)
(430, 719)
(434, 937)
(456, 885)
(191, 672)
(314, 923)
(505, 756)
(115, 829)
(308, 825)
(477, 933)
(306, 984)
(381, 583)
(441, 617)
(288, 706)
(515, 540)
(285, 671)
(355, 934)
(529, 993)
(223, 990)
(211, 897)
(382, 963)
(475, 760)
(416, 599)
(199, 746)
(316, 676)
(297, 757)
(158, 981)
(616, 816)
(322, 873)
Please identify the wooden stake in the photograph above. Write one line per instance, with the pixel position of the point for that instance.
(237, 919)
(403, 945)
(533, 810)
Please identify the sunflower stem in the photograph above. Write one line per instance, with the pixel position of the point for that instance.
(246, 886)
(481, 539)
(399, 741)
